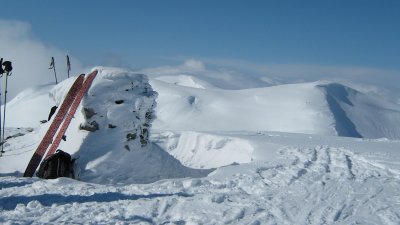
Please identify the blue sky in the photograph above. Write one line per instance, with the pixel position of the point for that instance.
(149, 33)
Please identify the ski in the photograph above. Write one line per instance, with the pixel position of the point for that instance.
(85, 87)
(48, 137)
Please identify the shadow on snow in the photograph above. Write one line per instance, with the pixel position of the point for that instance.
(9, 203)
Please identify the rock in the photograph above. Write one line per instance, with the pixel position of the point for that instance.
(119, 102)
(131, 136)
(92, 126)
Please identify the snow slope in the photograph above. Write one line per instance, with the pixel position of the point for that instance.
(360, 115)
(293, 179)
(23, 110)
(315, 108)
(217, 154)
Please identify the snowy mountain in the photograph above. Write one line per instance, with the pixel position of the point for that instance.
(313, 108)
(226, 149)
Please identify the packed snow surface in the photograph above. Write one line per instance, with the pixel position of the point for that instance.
(220, 151)
(293, 179)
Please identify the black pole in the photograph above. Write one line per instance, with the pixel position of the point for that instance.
(4, 111)
(54, 68)
(1, 136)
(68, 65)
(7, 68)
(55, 74)
(1, 76)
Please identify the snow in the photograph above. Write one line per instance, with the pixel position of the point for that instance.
(314, 108)
(119, 151)
(306, 153)
(200, 150)
(306, 185)
(24, 110)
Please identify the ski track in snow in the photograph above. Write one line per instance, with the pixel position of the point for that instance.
(321, 185)
(336, 186)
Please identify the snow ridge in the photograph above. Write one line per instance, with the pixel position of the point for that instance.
(359, 115)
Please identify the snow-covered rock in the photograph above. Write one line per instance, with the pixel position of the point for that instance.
(109, 134)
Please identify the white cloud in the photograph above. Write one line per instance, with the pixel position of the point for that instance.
(30, 58)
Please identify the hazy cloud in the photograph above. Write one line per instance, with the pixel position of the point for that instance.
(375, 80)
(30, 58)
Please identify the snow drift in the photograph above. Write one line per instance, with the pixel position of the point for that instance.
(109, 135)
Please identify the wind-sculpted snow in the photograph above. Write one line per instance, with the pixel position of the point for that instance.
(359, 115)
(200, 150)
(337, 95)
(312, 185)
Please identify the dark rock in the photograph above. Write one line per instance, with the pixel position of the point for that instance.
(92, 126)
(118, 102)
(148, 115)
(131, 136)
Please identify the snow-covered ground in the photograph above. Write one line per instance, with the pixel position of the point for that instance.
(292, 179)
(223, 150)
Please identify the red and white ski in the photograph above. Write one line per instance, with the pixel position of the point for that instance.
(71, 113)
(48, 137)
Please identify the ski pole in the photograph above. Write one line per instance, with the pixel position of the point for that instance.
(7, 68)
(1, 76)
(4, 112)
(1, 136)
(68, 65)
(53, 66)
